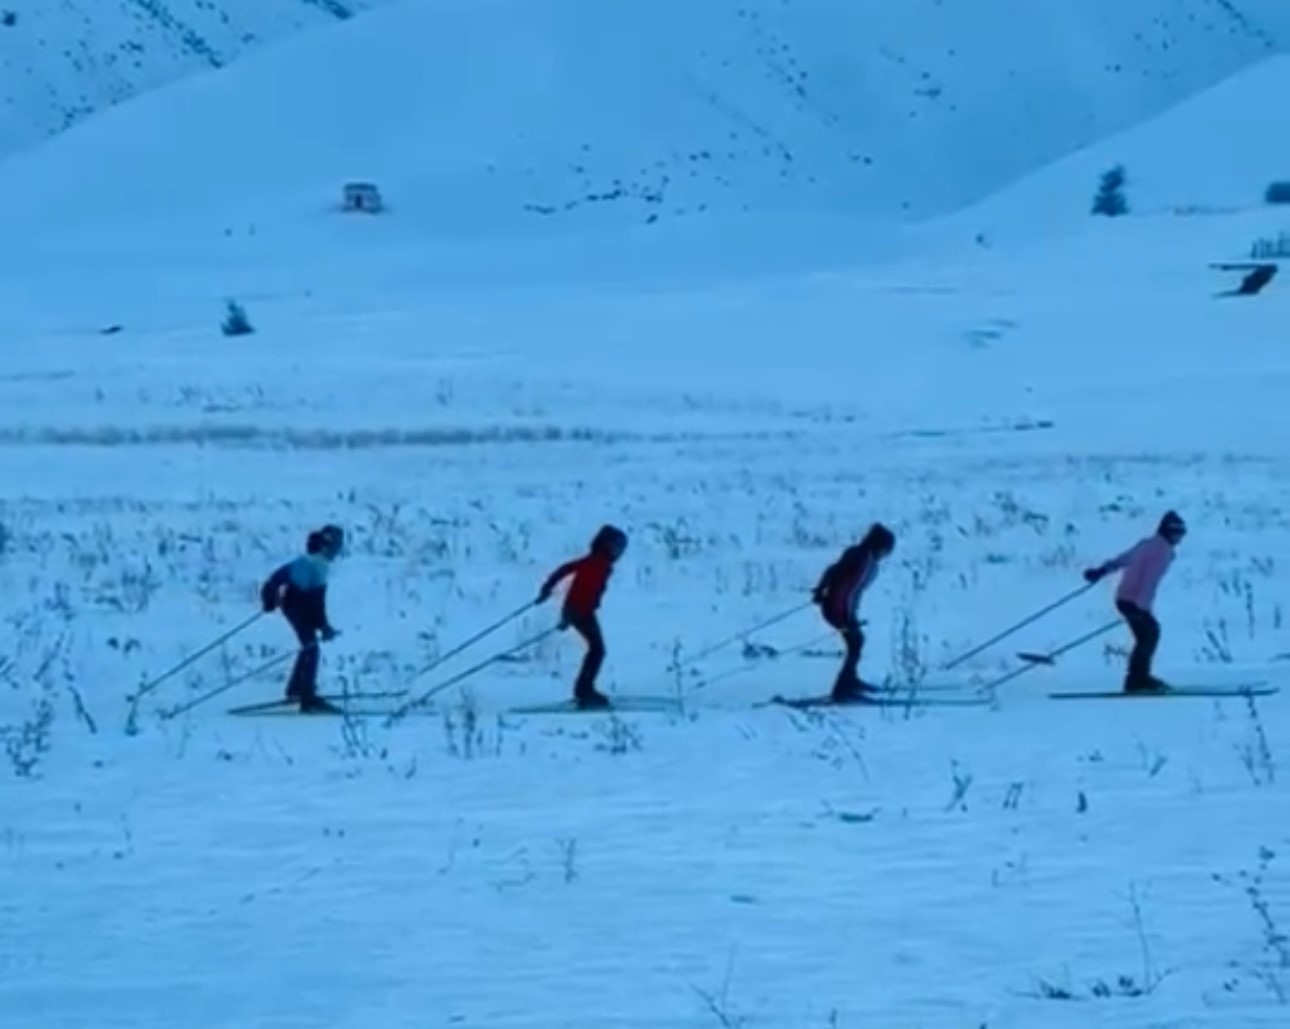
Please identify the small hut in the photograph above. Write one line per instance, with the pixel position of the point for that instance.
(362, 196)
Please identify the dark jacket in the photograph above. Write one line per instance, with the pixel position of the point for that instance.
(299, 588)
(844, 582)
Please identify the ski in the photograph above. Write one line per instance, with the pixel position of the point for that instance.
(1253, 689)
(293, 711)
(265, 707)
(281, 708)
(885, 698)
(286, 711)
(285, 705)
(635, 705)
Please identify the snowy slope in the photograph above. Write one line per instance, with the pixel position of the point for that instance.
(62, 62)
(1213, 154)
(493, 116)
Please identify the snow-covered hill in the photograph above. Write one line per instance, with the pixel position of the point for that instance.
(61, 62)
(501, 117)
(1213, 154)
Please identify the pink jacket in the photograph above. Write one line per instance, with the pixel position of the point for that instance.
(1144, 565)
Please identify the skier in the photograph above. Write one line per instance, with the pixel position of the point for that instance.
(299, 588)
(590, 577)
(1143, 565)
(838, 595)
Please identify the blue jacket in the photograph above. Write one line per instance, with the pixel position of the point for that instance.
(299, 587)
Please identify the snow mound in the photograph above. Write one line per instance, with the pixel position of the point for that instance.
(497, 117)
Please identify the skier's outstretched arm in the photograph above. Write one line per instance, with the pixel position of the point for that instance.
(556, 577)
(271, 591)
(826, 580)
(1116, 564)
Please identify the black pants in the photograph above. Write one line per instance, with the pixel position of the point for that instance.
(588, 627)
(303, 682)
(1146, 637)
(849, 673)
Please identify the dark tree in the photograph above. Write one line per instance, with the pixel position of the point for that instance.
(1110, 200)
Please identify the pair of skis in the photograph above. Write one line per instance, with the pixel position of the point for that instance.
(912, 698)
(291, 706)
(1258, 688)
(345, 706)
(894, 698)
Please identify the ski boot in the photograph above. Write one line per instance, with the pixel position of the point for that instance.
(1145, 684)
(316, 705)
(852, 691)
(590, 699)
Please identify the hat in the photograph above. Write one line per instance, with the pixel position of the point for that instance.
(611, 540)
(1172, 526)
(880, 537)
(332, 538)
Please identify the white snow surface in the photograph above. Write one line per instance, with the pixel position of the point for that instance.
(473, 401)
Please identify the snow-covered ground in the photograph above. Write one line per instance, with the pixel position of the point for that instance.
(471, 409)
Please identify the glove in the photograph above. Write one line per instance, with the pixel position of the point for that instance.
(543, 596)
(328, 633)
(270, 604)
(1094, 575)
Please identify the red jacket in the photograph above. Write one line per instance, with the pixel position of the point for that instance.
(590, 577)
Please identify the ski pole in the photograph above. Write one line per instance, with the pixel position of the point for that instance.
(1018, 627)
(750, 665)
(399, 712)
(708, 651)
(237, 681)
(443, 658)
(148, 687)
(1035, 660)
